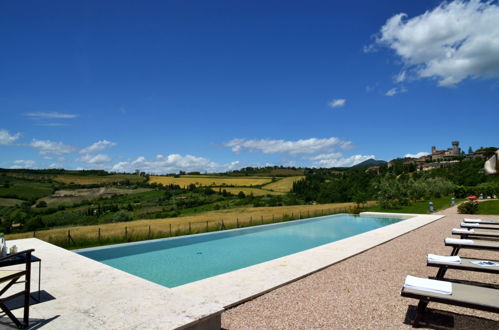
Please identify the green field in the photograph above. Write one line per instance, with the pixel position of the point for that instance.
(10, 202)
(420, 207)
(488, 207)
(27, 190)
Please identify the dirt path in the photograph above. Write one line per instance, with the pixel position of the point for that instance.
(363, 292)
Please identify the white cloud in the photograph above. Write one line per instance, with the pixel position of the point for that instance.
(98, 146)
(95, 159)
(173, 163)
(57, 115)
(337, 160)
(400, 77)
(308, 146)
(335, 155)
(23, 164)
(51, 147)
(417, 155)
(55, 165)
(454, 41)
(7, 138)
(396, 90)
(337, 103)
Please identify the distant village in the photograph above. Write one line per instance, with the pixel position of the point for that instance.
(437, 158)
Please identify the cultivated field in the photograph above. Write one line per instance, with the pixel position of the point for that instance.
(206, 180)
(10, 202)
(196, 223)
(69, 197)
(97, 179)
(254, 191)
(284, 185)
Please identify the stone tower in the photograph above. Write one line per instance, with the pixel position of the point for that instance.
(456, 151)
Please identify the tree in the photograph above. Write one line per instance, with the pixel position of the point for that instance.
(41, 204)
(470, 151)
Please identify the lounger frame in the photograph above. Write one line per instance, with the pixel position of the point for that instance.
(485, 299)
(466, 264)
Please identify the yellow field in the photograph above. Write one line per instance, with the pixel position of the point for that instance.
(96, 179)
(206, 180)
(284, 185)
(197, 222)
(254, 191)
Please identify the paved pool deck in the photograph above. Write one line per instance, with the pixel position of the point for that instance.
(80, 293)
(363, 292)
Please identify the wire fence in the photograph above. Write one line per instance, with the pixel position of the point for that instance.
(129, 232)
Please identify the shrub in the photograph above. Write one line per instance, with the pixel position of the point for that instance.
(41, 204)
(470, 207)
(121, 216)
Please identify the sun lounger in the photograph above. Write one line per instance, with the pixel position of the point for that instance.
(469, 296)
(479, 225)
(473, 233)
(477, 265)
(482, 221)
(457, 244)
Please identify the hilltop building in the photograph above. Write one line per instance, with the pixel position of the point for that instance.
(452, 152)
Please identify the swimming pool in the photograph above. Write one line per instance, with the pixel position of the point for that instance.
(176, 261)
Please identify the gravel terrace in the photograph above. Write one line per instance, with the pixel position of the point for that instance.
(363, 292)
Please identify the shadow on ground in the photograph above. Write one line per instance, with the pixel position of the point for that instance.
(18, 304)
(438, 319)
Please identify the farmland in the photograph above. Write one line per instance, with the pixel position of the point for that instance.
(236, 217)
(69, 197)
(10, 202)
(95, 179)
(210, 181)
(283, 185)
(254, 191)
(34, 200)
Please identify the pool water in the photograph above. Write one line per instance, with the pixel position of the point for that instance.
(176, 261)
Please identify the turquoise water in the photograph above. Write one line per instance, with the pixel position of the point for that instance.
(176, 261)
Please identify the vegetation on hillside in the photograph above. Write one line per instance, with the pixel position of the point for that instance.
(40, 199)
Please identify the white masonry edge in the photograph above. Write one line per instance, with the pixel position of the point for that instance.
(235, 287)
(91, 295)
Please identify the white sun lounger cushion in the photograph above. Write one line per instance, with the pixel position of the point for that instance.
(449, 240)
(449, 259)
(462, 231)
(469, 224)
(425, 284)
(472, 220)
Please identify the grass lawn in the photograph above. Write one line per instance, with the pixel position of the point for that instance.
(420, 207)
(488, 207)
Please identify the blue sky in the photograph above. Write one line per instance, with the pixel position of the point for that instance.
(164, 86)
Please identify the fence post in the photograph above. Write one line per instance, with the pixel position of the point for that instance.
(206, 225)
(292, 216)
(170, 229)
(34, 234)
(149, 232)
(237, 222)
(189, 227)
(300, 214)
(70, 238)
(98, 235)
(126, 233)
